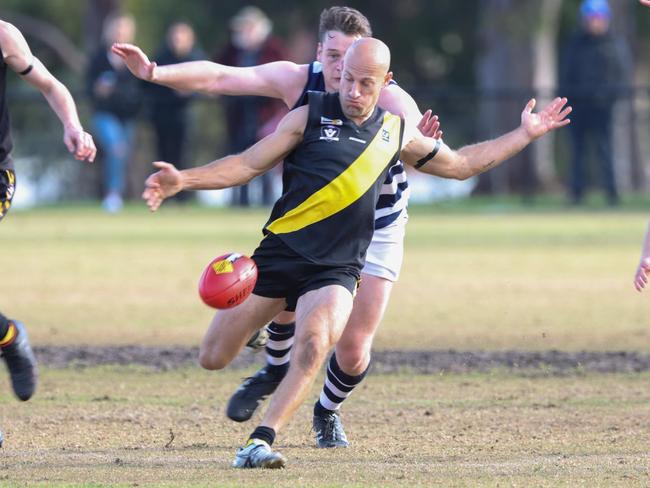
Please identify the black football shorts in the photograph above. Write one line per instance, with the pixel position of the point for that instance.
(7, 189)
(283, 273)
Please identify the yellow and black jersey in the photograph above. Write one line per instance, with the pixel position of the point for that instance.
(331, 183)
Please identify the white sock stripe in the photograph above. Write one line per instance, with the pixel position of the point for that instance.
(329, 371)
(279, 345)
(327, 403)
(278, 361)
(335, 390)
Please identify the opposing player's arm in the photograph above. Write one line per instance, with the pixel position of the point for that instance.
(397, 101)
(20, 59)
(281, 79)
(435, 157)
(232, 170)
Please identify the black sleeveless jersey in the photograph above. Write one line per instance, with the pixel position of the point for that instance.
(395, 193)
(331, 183)
(5, 134)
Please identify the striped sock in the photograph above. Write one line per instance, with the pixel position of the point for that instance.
(338, 386)
(278, 347)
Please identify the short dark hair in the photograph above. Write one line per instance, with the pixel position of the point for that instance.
(347, 20)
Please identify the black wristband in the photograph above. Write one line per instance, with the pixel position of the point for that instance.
(26, 70)
(430, 156)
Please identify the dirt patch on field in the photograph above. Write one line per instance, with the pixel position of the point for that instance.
(423, 362)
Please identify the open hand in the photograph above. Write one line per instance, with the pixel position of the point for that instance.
(429, 125)
(162, 184)
(136, 60)
(552, 117)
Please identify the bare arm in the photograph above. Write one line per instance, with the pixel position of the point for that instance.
(645, 2)
(477, 158)
(231, 170)
(19, 58)
(397, 101)
(281, 79)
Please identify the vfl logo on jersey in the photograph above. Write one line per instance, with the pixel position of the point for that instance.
(329, 133)
(326, 121)
(385, 135)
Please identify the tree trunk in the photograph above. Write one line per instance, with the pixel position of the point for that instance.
(505, 76)
(545, 78)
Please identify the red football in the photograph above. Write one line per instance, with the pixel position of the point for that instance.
(227, 280)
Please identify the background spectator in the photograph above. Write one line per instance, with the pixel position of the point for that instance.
(596, 67)
(248, 119)
(115, 95)
(169, 108)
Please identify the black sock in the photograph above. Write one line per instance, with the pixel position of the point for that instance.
(266, 434)
(278, 347)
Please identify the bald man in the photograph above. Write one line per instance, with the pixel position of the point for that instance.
(336, 152)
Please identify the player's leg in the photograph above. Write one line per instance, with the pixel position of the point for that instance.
(252, 392)
(348, 365)
(230, 329)
(321, 316)
(14, 342)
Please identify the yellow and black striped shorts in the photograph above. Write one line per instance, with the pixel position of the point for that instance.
(7, 189)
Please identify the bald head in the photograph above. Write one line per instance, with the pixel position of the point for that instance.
(365, 73)
(369, 53)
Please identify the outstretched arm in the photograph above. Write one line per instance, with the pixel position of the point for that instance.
(231, 170)
(280, 79)
(20, 59)
(642, 270)
(435, 157)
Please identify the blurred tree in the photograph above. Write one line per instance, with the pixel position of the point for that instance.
(504, 78)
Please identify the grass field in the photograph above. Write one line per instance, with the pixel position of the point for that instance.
(472, 280)
(113, 426)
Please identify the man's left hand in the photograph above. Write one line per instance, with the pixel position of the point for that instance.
(552, 117)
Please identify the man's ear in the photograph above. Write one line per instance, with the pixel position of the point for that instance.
(387, 78)
(319, 51)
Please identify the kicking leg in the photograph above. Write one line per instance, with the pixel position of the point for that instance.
(230, 329)
(321, 316)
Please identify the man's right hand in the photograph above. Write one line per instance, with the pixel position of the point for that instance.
(136, 60)
(163, 184)
(641, 275)
(645, 2)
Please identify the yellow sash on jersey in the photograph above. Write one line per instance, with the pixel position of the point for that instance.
(347, 187)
